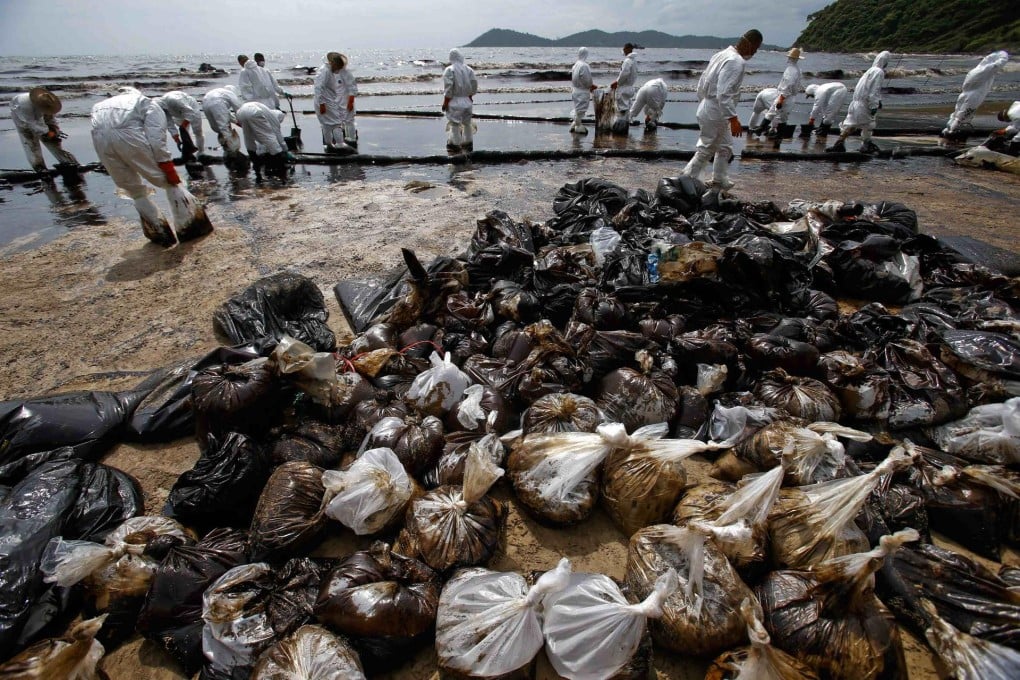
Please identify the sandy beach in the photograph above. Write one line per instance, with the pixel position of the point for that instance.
(100, 306)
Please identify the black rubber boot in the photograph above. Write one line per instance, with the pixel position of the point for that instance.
(870, 148)
(805, 130)
(823, 130)
(838, 147)
(257, 163)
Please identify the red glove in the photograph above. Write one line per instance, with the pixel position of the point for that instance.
(612, 85)
(779, 102)
(185, 123)
(446, 103)
(735, 128)
(350, 103)
(322, 109)
(51, 134)
(171, 172)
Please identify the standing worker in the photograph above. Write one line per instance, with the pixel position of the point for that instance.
(789, 86)
(718, 92)
(864, 106)
(258, 84)
(580, 79)
(624, 86)
(184, 114)
(976, 87)
(347, 90)
(760, 122)
(327, 104)
(829, 98)
(652, 98)
(129, 134)
(33, 115)
(459, 86)
(263, 138)
(220, 106)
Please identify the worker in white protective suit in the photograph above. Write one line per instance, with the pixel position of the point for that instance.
(459, 86)
(1010, 115)
(718, 93)
(327, 104)
(263, 138)
(129, 135)
(184, 119)
(760, 122)
(220, 106)
(864, 107)
(828, 100)
(259, 85)
(651, 97)
(789, 87)
(976, 87)
(624, 88)
(583, 86)
(347, 90)
(34, 117)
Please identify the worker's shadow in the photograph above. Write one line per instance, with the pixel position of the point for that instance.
(149, 259)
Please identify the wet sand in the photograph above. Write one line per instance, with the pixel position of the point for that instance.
(98, 306)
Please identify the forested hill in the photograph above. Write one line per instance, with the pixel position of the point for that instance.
(502, 37)
(914, 26)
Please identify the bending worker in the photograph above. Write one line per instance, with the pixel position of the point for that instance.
(220, 106)
(760, 121)
(718, 92)
(976, 87)
(327, 104)
(864, 106)
(258, 84)
(129, 134)
(184, 113)
(459, 86)
(624, 87)
(33, 115)
(263, 138)
(580, 79)
(829, 99)
(789, 86)
(652, 98)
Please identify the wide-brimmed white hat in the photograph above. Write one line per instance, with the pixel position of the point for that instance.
(794, 53)
(44, 100)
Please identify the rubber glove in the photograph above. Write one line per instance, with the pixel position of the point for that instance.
(350, 103)
(873, 111)
(170, 172)
(322, 109)
(735, 128)
(779, 102)
(186, 124)
(446, 103)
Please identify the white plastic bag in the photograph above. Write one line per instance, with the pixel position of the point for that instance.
(435, 390)
(229, 639)
(968, 657)
(370, 494)
(313, 372)
(489, 623)
(729, 426)
(592, 631)
(471, 413)
(989, 434)
(604, 241)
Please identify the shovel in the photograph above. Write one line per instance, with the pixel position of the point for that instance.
(294, 141)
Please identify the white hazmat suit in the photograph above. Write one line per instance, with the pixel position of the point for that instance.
(652, 98)
(1013, 116)
(220, 106)
(789, 86)
(829, 99)
(33, 128)
(129, 135)
(261, 127)
(182, 110)
(581, 81)
(258, 85)
(626, 85)
(867, 99)
(347, 89)
(459, 86)
(718, 93)
(328, 109)
(762, 105)
(976, 87)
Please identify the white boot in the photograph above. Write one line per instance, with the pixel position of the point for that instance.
(453, 136)
(720, 170)
(154, 223)
(578, 127)
(694, 167)
(350, 135)
(468, 139)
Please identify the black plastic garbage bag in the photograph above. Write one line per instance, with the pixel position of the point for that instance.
(108, 497)
(278, 305)
(223, 487)
(977, 354)
(923, 390)
(876, 269)
(497, 227)
(234, 398)
(314, 442)
(88, 422)
(172, 614)
(683, 193)
(167, 412)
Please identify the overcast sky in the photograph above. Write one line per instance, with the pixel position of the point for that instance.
(55, 27)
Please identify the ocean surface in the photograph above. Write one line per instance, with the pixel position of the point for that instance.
(513, 82)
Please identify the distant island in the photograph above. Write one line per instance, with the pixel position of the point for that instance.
(938, 26)
(502, 37)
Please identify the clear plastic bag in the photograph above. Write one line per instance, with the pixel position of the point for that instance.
(809, 454)
(988, 434)
(967, 657)
(489, 623)
(564, 412)
(416, 441)
(72, 657)
(309, 653)
(312, 372)
(436, 390)
(760, 661)
(288, 516)
(730, 425)
(371, 495)
(592, 631)
(604, 241)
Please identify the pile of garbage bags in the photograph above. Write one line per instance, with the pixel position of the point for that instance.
(854, 384)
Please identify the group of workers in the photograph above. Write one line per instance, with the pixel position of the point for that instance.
(129, 129)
